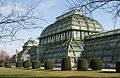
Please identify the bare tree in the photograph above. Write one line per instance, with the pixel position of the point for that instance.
(4, 56)
(15, 19)
(89, 6)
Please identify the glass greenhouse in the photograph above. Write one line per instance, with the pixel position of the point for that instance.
(65, 37)
(75, 35)
(29, 52)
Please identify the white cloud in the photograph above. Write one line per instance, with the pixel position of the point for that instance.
(43, 6)
(6, 10)
(47, 4)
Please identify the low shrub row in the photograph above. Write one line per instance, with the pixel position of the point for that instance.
(6, 64)
(82, 64)
(48, 65)
(26, 64)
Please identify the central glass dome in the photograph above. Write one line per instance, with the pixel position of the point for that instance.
(73, 20)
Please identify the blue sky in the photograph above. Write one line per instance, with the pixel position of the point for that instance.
(49, 10)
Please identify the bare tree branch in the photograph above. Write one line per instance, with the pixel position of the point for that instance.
(16, 18)
(89, 6)
(4, 56)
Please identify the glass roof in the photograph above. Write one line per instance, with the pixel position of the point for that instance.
(74, 21)
(30, 42)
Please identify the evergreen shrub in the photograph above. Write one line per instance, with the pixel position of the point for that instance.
(2, 64)
(96, 64)
(118, 66)
(26, 64)
(48, 65)
(82, 64)
(7, 64)
(36, 64)
(66, 64)
(18, 64)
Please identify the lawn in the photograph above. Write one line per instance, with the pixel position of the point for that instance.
(22, 73)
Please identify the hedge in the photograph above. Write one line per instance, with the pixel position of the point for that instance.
(66, 64)
(48, 65)
(96, 64)
(2, 64)
(18, 64)
(118, 66)
(26, 64)
(7, 64)
(36, 64)
(82, 64)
